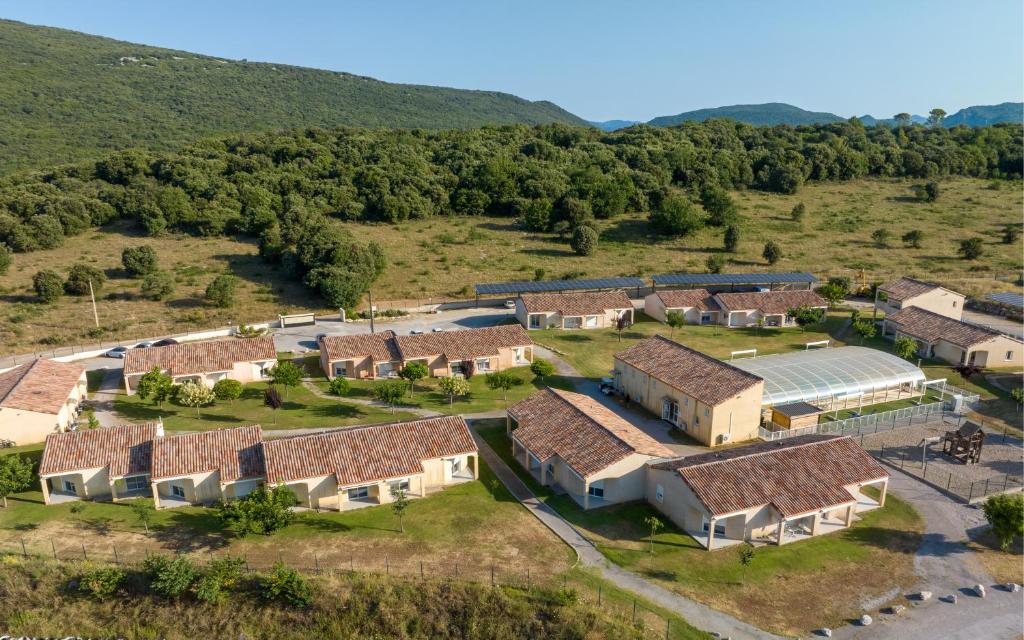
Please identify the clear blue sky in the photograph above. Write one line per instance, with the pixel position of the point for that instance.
(603, 60)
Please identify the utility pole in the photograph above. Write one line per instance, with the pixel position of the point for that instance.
(95, 315)
(370, 296)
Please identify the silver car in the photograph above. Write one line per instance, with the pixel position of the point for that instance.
(117, 352)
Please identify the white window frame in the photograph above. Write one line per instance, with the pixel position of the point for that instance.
(358, 493)
(590, 322)
(130, 479)
(596, 489)
(667, 412)
(340, 370)
(483, 364)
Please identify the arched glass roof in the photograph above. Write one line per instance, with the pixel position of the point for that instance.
(803, 376)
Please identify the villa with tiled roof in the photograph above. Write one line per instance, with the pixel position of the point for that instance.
(241, 359)
(39, 398)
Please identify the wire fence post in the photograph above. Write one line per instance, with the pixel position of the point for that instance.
(54, 547)
(316, 562)
(387, 565)
(634, 610)
(24, 551)
(599, 595)
(421, 569)
(85, 556)
(492, 575)
(970, 493)
(668, 626)
(117, 560)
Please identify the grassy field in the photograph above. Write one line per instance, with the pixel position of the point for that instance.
(481, 397)
(442, 258)
(302, 409)
(781, 590)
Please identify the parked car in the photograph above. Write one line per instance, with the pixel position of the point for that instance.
(416, 332)
(166, 342)
(510, 304)
(437, 329)
(116, 352)
(145, 344)
(607, 386)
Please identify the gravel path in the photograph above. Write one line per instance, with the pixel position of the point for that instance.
(102, 400)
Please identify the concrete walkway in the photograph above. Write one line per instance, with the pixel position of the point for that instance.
(698, 615)
(102, 400)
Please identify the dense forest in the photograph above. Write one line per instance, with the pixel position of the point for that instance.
(67, 96)
(282, 187)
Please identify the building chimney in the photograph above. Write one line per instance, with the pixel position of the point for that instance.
(160, 427)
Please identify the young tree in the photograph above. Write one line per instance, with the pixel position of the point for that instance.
(156, 385)
(412, 372)
(469, 368)
(221, 292)
(194, 394)
(654, 524)
(15, 475)
(674, 320)
(140, 260)
(584, 241)
(902, 119)
(971, 248)
(1005, 513)
(746, 556)
(48, 285)
(503, 380)
(798, 212)
(715, 263)
(905, 347)
(881, 237)
(621, 324)
(158, 285)
(143, 510)
(805, 316)
(339, 386)
(399, 504)
(1018, 395)
(541, 368)
(1010, 234)
(675, 216)
(453, 386)
(833, 293)
(390, 392)
(287, 374)
(731, 238)
(865, 328)
(772, 252)
(77, 509)
(272, 399)
(263, 511)
(913, 238)
(227, 389)
(80, 275)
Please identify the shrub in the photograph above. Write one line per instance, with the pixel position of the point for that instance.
(905, 347)
(881, 237)
(6, 257)
(339, 386)
(221, 292)
(48, 285)
(390, 392)
(249, 331)
(169, 577)
(219, 576)
(158, 285)
(102, 583)
(79, 277)
(263, 511)
(913, 238)
(286, 586)
(798, 212)
(542, 368)
(676, 216)
(140, 260)
(971, 248)
(719, 206)
(715, 263)
(1005, 513)
(771, 252)
(583, 241)
(833, 293)
(227, 389)
(1010, 234)
(731, 239)
(928, 192)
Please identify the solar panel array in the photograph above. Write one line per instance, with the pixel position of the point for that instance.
(802, 376)
(529, 286)
(1007, 298)
(732, 278)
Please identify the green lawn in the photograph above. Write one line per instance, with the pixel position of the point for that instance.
(781, 589)
(93, 378)
(592, 352)
(481, 398)
(302, 409)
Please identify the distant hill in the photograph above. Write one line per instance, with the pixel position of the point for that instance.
(614, 125)
(771, 113)
(66, 95)
(984, 115)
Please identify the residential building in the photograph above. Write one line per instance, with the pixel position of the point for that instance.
(908, 292)
(207, 467)
(710, 400)
(38, 399)
(108, 463)
(767, 308)
(444, 353)
(362, 466)
(775, 492)
(572, 441)
(241, 359)
(956, 342)
(583, 310)
(697, 306)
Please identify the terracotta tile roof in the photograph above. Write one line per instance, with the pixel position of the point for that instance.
(698, 375)
(686, 298)
(42, 386)
(929, 326)
(465, 343)
(576, 304)
(581, 431)
(359, 455)
(381, 347)
(795, 476)
(236, 453)
(769, 301)
(904, 288)
(199, 357)
(126, 450)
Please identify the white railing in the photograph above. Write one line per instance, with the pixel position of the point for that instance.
(883, 421)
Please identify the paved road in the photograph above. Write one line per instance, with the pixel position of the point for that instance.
(698, 615)
(998, 323)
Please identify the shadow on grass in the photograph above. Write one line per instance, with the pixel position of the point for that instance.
(928, 544)
(99, 526)
(191, 530)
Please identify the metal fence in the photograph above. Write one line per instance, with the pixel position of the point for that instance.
(957, 486)
(623, 606)
(860, 425)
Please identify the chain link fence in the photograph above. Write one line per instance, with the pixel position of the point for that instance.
(861, 425)
(960, 487)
